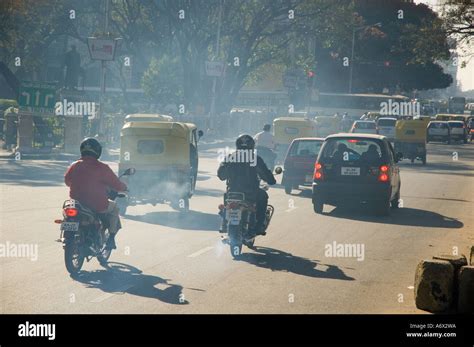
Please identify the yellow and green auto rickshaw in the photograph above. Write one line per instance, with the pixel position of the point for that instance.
(165, 157)
(410, 139)
(286, 129)
(147, 117)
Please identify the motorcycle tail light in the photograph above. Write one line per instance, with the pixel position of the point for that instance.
(71, 212)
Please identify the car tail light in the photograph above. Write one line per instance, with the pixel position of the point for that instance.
(71, 212)
(384, 176)
(318, 171)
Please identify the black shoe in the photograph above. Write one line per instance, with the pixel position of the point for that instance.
(111, 242)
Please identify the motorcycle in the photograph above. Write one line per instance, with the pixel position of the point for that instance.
(84, 233)
(240, 215)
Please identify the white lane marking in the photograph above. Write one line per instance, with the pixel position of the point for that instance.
(198, 253)
(109, 295)
(411, 287)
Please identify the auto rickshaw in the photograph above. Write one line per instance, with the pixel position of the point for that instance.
(286, 129)
(410, 139)
(326, 125)
(148, 117)
(165, 157)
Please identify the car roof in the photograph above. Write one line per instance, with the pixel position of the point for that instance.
(309, 139)
(365, 121)
(387, 118)
(438, 121)
(355, 135)
(455, 121)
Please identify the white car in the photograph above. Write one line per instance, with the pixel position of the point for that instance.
(457, 130)
(386, 127)
(364, 127)
(438, 131)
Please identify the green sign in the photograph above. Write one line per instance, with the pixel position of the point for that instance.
(37, 98)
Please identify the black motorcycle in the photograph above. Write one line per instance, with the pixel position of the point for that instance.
(84, 233)
(240, 217)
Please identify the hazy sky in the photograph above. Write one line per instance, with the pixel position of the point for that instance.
(465, 75)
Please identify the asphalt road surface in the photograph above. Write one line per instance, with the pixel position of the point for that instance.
(167, 263)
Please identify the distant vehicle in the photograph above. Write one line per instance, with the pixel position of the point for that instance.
(386, 127)
(354, 169)
(364, 127)
(458, 131)
(456, 104)
(147, 117)
(299, 162)
(438, 131)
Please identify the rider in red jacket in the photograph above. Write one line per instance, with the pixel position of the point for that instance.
(89, 181)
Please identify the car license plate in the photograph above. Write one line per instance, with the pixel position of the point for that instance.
(70, 226)
(308, 178)
(350, 171)
(234, 216)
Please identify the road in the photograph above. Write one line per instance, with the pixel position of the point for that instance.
(166, 263)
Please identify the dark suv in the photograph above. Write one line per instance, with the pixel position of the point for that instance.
(357, 168)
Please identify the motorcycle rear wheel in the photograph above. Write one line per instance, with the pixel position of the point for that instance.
(73, 257)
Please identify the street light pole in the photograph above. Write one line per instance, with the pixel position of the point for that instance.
(214, 82)
(352, 60)
(103, 69)
(352, 51)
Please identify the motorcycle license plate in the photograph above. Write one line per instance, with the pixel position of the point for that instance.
(70, 226)
(234, 216)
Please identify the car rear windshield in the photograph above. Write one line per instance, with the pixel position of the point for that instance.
(387, 122)
(456, 125)
(438, 125)
(365, 125)
(150, 146)
(339, 150)
(306, 148)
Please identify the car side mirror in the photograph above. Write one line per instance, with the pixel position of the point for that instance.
(278, 170)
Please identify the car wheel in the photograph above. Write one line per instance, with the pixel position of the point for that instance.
(318, 206)
(288, 188)
(423, 159)
(396, 200)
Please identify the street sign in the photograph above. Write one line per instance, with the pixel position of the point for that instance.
(101, 49)
(37, 98)
(215, 68)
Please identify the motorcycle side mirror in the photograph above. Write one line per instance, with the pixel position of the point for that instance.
(278, 170)
(129, 172)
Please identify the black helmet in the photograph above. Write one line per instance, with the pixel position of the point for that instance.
(245, 142)
(91, 147)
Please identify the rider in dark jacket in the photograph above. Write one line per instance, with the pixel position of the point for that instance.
(244, 176)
